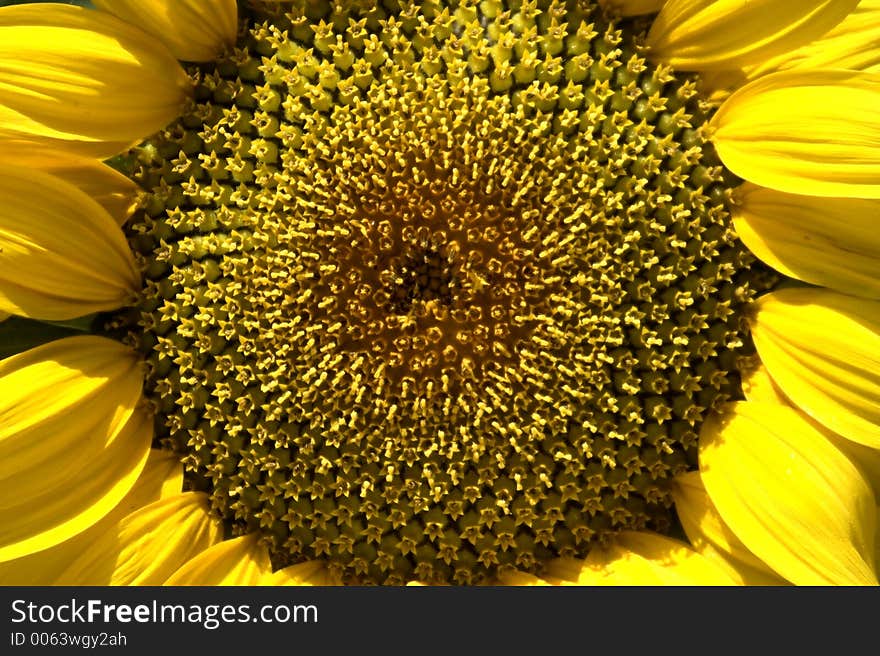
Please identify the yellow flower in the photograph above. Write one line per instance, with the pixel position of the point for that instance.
(445, 292)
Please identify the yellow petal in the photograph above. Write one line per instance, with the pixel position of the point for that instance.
(193, 30)
(149, 545)
(790, 496)
(712, 34)
(823, 351)
(863, 457)
(71, 443)
(111, 189)
(108, 187)
(640, 558)
(757, 385)
(815, 133)
(717, 86)
(76, 78)
(4, 316)
(312, 572)
(61, 254)
(831, 242)
(711, 537)
(36, 151)
(632, 7)
(162, 477)
(852, 44)
(240, 561)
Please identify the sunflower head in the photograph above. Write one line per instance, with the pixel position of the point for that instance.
(453, 292)
(432, 291)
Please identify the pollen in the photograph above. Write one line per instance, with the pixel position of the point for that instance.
(437, 289)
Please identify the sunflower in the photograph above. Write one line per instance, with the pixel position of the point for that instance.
(449, 292)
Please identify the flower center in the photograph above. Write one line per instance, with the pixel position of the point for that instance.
(437, 290)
